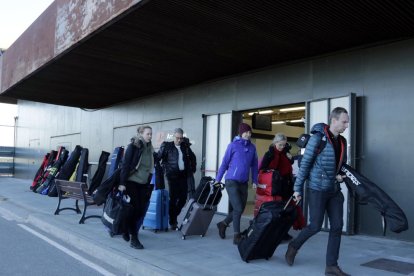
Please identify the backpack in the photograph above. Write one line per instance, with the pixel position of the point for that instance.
(304, 138)
(303, 141)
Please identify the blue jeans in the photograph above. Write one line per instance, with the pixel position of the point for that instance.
(237, 192)
(332, 203)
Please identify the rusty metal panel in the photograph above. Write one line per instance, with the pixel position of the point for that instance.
(31, 50)
(77, 19)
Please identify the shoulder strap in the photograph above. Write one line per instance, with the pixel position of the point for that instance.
(322, 144)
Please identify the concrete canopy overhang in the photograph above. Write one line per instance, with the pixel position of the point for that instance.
(92, 55)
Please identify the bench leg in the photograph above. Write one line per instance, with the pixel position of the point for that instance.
(82, 220)
(77, 207)
(58, 207)
(84, 217)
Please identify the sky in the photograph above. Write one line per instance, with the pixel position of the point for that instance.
(16, 16)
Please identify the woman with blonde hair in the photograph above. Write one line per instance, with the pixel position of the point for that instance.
(135, 178)
(279, 158)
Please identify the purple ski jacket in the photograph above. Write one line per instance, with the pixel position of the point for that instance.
(240, 157)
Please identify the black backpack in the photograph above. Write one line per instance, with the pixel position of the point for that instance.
(304, 139)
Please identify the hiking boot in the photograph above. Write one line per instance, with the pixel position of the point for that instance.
(237, 238)
(334, 270)
(126, 237)
(135, 243)
(290, 254)
(222, 229)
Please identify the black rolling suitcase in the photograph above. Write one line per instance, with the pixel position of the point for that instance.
(267, 230)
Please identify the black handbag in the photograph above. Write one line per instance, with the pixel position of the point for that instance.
(282, 185)
(116, 212)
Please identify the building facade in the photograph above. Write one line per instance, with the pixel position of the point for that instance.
(380, 76)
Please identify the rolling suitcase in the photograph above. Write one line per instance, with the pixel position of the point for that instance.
(267, 230)
(156, 217)
(198, 216)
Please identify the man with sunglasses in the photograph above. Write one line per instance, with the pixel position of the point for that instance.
(179, 163)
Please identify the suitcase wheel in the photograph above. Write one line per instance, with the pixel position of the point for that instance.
(202, 235)
(143, 227)
(155, 230)
(183, 237)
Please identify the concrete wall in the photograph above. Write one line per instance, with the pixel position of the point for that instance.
(380, 76)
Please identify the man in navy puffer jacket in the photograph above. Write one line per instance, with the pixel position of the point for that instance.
(321, 169)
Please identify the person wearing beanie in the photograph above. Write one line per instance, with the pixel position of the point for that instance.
(243, 127)
(240, 158)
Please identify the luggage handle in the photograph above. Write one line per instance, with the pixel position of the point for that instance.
(198, 199)
(288, 202)
(211, 183)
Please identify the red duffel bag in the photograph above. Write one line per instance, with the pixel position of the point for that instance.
(269, 183)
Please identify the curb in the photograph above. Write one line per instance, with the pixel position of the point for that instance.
(125, 263)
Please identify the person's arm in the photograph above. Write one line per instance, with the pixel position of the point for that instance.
(307, 162)
(126, 166)
(162, 153)
(267, 158)
(193, 160)
(224, 163)
(254, 168)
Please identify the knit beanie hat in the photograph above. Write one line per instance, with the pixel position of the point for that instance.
(243, 127)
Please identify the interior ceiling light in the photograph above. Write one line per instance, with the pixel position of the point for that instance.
(292, 109)
(261, 112)
(278, 122)
(296, 121)
(265, 111)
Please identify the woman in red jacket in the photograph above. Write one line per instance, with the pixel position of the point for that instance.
(278, 158)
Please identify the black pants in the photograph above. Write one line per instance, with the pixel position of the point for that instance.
(178, 196)
(332, 203)
(140, 195)
(237, 192)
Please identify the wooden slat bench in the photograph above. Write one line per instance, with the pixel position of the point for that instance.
(77, 191)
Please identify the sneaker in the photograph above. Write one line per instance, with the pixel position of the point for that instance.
(222, 229)
(237, 238)
(290, 254)
(334, 270)
(135, 243)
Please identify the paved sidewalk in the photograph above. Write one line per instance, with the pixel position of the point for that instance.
(166, 253)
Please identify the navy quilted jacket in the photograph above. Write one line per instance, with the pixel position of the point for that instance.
(320, 168)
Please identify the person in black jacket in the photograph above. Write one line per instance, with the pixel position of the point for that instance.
(135, 178)
(278, 158)
(179, 163)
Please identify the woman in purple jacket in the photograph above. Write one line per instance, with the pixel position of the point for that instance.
(239, 159)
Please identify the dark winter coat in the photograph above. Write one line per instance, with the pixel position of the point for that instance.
(168, 155)
(277, 160)
(131, 159)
